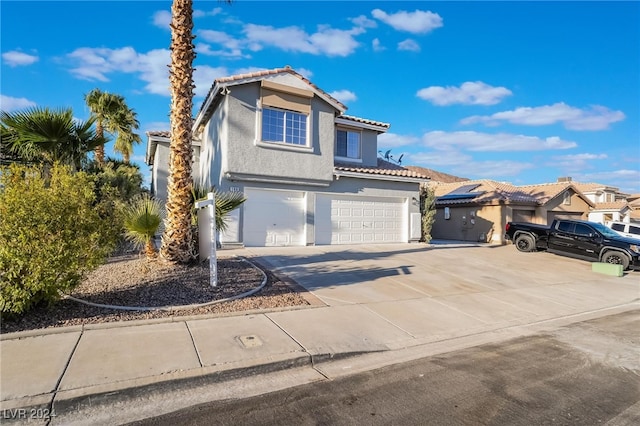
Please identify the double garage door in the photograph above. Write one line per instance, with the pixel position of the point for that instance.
(359, 219)
(278, 218)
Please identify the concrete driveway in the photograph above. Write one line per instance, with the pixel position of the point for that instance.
(430, 291)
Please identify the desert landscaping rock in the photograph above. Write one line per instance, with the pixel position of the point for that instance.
(131, 280)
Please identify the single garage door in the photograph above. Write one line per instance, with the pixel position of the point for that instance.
(274, 218)
(356, 220)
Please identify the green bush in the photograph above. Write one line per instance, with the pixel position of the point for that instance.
(51, 234)
(142, 219)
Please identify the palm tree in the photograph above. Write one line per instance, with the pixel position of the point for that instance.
(48, 136)
(177, 239)
(126, 138)
(142, 218)
(226, 202)
(113, 116)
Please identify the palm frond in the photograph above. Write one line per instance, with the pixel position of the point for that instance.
(143, 218)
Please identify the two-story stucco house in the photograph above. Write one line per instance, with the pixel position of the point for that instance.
(311, 174)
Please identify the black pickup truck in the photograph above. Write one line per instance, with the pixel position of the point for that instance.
(576, 238)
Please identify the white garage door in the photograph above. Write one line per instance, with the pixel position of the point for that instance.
(356, 220)
(274, 218)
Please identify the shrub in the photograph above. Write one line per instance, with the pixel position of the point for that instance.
(142, 219)
(428, 211)
(51, 235)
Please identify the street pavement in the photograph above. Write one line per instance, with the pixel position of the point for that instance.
(375, 305)
(585, 373)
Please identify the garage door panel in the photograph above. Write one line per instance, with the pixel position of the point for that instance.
(359, 219)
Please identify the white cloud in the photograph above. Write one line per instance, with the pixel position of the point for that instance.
(344, 96)
(156, 126)
(460, 164)
(162, 19)
(203, 77)
(326, 41)
(306, 73)
(469, 93)
(475, 141)
(494, 169)
(377, 46)
(580, 157)
(418, 22)
(593, 118)
(9, 103)
(363, 22)
(575, 162)
(434, 159)
(15, 58)
(197, 13)
(393, 140)
(205, 49)
(333, 42)
(220, 38)
(99, 63)
(627, 180)
(410, 45)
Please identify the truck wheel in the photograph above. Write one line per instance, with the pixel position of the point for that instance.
(525, 243)
(616, 258)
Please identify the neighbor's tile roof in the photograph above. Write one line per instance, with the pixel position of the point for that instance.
(546, 191)
(435, 175)
(592, 187)
(488, 192)
(616, 205)
(383, 168)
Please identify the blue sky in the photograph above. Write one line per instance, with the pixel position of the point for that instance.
(523, 92)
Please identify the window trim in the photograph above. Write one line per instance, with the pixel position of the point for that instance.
(344, 158)
(282, 144)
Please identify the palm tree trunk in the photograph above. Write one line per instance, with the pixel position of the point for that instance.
(99, 151)
(177, 240)
(150, 249)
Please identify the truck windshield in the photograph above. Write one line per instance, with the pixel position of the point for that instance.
(606, 231)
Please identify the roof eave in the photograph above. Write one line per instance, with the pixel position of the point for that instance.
(359, 175)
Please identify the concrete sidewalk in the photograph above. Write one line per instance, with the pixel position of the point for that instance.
(393, 302)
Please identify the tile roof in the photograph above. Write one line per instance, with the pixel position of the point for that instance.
(489, 192)
(258, 75)
(159, 134)
(546, 191)
(435, 175)
(383, 168)
(616, 205)
(364, 121)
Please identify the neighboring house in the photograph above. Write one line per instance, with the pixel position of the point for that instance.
(634, 204)
(610, 203)
(479, 210)
(311, 174)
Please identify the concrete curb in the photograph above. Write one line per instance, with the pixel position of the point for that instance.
(100, 397)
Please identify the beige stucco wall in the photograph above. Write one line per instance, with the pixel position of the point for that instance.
(470, 223)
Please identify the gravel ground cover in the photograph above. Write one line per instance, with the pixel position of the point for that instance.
(130, 280)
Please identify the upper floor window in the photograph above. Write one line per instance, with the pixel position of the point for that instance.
(281, 126)
(348, 144)
(566, 198)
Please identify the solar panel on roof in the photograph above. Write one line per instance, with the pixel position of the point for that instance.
(454, 196)
(464, 189)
